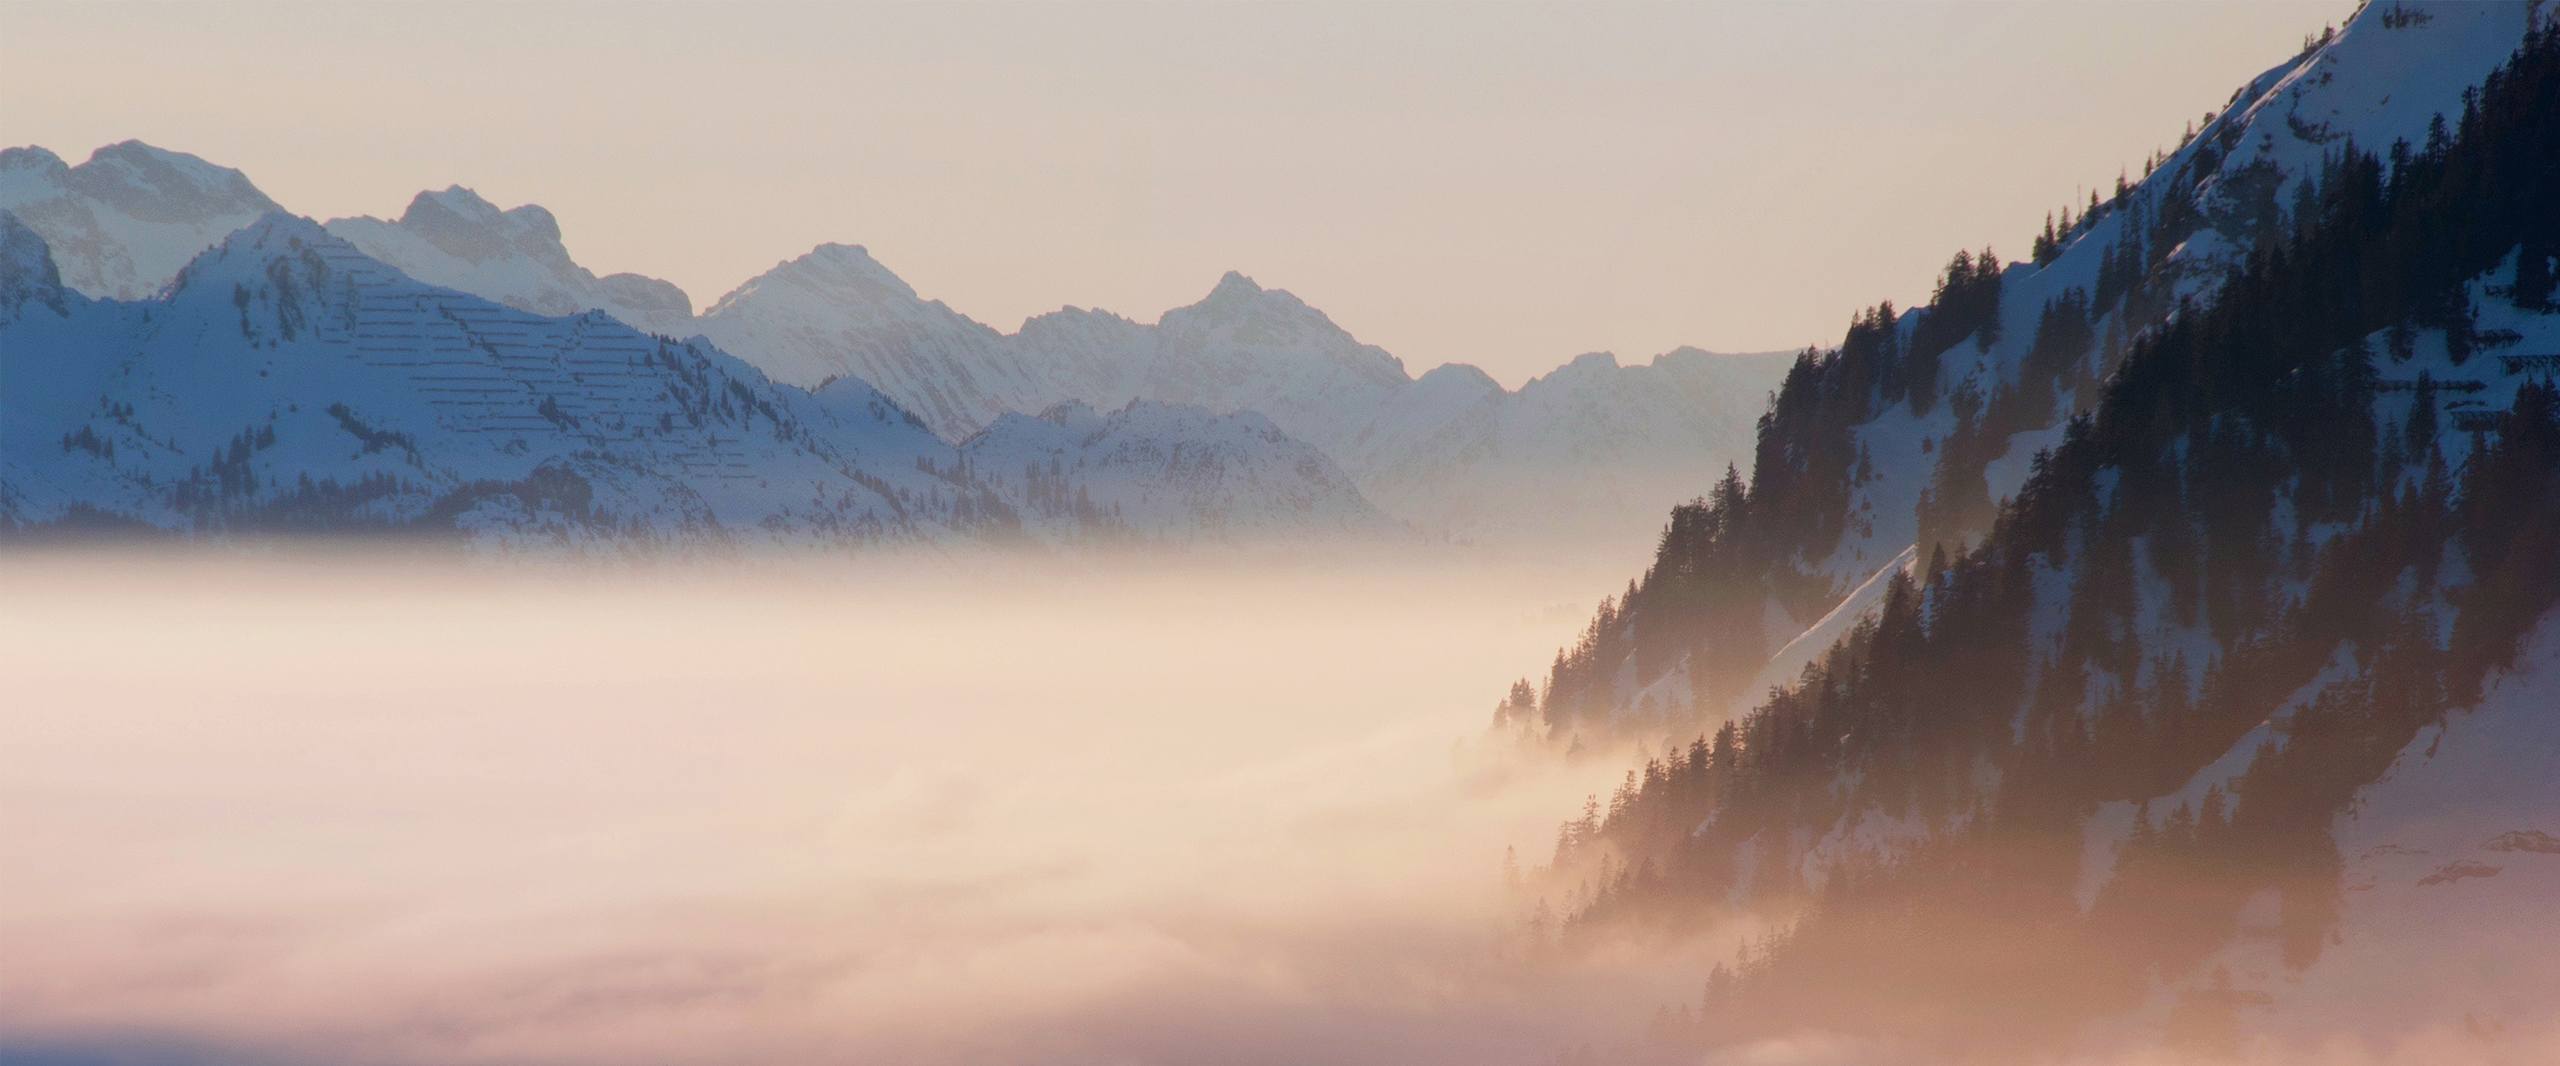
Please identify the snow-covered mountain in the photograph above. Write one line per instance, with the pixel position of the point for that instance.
(1247, 347)
(121, 224)
(458, 240)
(1604, 448)
(287, 382)
(839, 312)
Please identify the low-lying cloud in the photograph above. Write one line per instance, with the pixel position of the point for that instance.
(365, 811)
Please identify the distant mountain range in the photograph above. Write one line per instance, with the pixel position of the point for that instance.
(286, 382)
(1591, 451)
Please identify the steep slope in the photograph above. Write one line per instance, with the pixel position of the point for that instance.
(458, 240)
(121, 224)
(1919, 422)
(2083, 783)
(1167, 472)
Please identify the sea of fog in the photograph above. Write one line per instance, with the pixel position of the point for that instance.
(292, 806)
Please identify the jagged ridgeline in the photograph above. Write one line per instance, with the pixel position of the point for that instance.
(287, 383)
(2221, 605)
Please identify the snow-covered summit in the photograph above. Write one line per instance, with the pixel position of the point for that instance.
(123, 222)
(458, 238)
(833, 271)
(159, 185)
(837, 312)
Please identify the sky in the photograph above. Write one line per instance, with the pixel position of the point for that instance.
(1507, 185)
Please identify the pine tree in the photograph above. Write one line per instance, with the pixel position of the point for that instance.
(2421, 427)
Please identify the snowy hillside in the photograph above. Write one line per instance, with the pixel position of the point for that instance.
(458, 240)
(2382, 78)
(1912, 431)
(121, 224)
(2450, 864)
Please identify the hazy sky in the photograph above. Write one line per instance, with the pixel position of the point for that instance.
(1507, 185)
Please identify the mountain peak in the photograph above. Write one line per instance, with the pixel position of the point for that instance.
(432, 208)
(156, 183)
(275, 228)
(32, 157)
(275, 224)
(138, 152)
(840, 252)
(841, 267)
(1237, 296)
(457, 238)
(1235, 286)
(123, 222)
(244, 256)
(1459, 377)
(536, 219)
(455, 200)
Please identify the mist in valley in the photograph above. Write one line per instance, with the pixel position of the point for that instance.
(261, 806)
